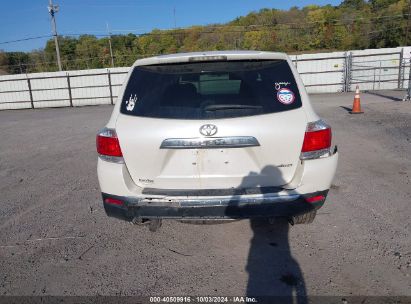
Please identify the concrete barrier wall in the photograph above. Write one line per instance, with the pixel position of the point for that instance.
(372, 69)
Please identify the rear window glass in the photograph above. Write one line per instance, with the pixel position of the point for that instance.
(211, 90)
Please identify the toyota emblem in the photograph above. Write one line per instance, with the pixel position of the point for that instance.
(208, 130)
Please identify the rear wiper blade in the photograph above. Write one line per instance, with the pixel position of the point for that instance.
(230, 106)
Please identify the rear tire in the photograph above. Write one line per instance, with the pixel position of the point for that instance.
(306, 218)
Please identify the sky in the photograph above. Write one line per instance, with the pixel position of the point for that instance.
(21, 19)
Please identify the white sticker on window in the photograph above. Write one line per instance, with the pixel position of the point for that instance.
(131, 102)
(279, 85)
(285, 96)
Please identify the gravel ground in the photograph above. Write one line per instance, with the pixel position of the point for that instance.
(55, 238)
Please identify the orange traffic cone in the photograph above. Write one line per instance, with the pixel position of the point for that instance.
(356, 106)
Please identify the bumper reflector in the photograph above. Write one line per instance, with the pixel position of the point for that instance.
(315, 199)
(113, 201)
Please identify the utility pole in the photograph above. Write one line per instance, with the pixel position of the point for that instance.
(111, 48)
(52, 10)
(175, 21)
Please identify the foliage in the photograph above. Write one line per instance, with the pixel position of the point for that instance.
(354, 24)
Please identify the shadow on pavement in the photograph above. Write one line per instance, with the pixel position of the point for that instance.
(271, 268)
(346, 108)
(272, 271)
(384, 95)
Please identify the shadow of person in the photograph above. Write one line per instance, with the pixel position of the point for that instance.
(272, 270)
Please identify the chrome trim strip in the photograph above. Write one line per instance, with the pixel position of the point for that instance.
(210, 142)
(215, 202)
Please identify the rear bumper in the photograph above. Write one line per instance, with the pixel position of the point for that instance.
(230, 207)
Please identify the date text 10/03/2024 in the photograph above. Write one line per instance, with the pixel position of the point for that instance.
(188, 299)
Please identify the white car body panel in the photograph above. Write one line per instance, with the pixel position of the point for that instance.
(311, 176)
(280, 136)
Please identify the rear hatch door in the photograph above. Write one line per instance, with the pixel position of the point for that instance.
(213, 125)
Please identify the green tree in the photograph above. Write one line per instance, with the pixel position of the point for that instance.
(3, 63)
(356, 4)
(18, 62)
(354, 24)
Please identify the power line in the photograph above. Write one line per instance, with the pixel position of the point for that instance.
(211, 30)
(26, 39)
(146, 55)
(66, 61)
(301, 26)
(165, 32)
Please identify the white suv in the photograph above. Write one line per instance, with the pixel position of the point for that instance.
(214, 135)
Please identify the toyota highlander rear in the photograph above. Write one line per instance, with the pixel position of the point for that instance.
(215, 135)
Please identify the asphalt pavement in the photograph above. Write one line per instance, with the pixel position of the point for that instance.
(55, 238)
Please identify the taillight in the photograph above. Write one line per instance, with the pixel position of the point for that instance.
(317, 140)
(108, 146)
